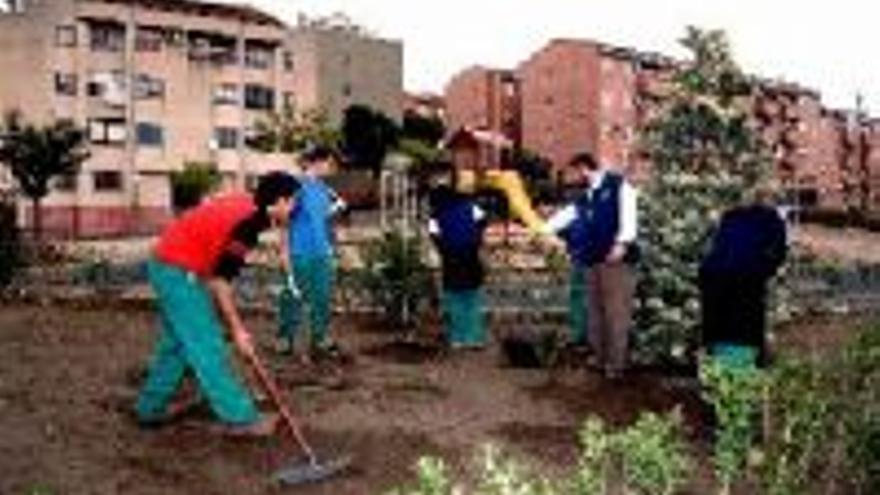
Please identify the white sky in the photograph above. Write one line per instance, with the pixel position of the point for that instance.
(831, 46)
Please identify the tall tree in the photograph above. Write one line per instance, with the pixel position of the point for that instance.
(190, 185)
(367, 136)
(36, 154)
(429, 130)
(705, 155)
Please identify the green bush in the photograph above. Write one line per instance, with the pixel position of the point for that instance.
(193, 183)
(395, 278)
(705, 156)
(735, 393)
(649, 457)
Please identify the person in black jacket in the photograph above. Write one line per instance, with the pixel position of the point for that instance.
(747, 250)
(456, 226)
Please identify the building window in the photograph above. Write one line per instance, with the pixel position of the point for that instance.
(287, 58)
(107, 181)
(226, 94)
(148, 39)
(258, 97)
(289, 99)
(147, 87)
(65, 36)
(226, 138)
(108, 131)
(65, 84)
(346, 90)
(65, 183)
(107, 37)
(150, 134)
(257, 56)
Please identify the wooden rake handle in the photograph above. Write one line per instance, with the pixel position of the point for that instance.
(290, 420)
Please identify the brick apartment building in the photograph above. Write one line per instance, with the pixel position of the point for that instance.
(158, 83)
(584, 95)
(570, 96)
(484, 99)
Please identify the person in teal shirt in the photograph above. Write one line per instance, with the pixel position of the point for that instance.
(308, 257)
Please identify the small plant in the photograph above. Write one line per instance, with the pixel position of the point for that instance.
(433, 479)
(502, 476)
(396, 278)
(653, 455)
(734, 391)
(594, 463)
(800, 425)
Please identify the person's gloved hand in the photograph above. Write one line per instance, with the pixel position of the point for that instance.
(291, 286)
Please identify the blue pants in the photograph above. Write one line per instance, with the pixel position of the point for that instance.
(463, 313)
(191, 339)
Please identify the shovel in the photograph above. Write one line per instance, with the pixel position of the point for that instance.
(300, 472)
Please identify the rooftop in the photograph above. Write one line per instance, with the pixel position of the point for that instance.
(242, 12)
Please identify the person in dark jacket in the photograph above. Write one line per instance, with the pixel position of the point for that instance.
(747, 249)
(456, 226)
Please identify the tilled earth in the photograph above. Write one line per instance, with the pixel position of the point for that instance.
(68, 379)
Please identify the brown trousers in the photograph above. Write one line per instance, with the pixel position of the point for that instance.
(610, 302)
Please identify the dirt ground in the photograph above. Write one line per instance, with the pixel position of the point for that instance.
(68, 379)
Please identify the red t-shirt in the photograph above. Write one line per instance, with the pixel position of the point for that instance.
(197, 240)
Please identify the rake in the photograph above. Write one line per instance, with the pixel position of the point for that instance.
(310, 469)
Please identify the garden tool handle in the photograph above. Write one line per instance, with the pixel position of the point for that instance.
(271, 387)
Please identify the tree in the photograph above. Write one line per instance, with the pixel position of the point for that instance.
(705, 156)
(289, 131)
(367, 136)
(35, 155)
(193, 183)
(429, 130)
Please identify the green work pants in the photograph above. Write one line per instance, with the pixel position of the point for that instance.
(314, 279)
(463, 313)
(191, 340)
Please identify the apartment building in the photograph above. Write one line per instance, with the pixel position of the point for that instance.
(339, 64)
(157, 84)
(487, 99)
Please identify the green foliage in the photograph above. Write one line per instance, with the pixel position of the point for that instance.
(428, 130)
(653, 454)
(650, 454)
(800, 425)
(193, 183)
(432, 479)
(37, 154)
(705, 158)
(11, 255)
(396, 277)
(290, 131)
(367, 136)
(734, 390)
(594, 463)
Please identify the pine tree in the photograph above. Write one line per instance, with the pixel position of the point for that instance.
(705, 155)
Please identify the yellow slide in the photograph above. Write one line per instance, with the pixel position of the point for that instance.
(511, 185)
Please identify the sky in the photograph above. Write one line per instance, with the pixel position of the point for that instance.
(831, 46)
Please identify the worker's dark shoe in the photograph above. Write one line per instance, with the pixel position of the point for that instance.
(177, 410)
(263, 427)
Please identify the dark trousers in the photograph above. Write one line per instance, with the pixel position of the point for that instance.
(610, 302)
(734, 311)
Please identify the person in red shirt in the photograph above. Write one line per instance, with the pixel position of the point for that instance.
(193, 263)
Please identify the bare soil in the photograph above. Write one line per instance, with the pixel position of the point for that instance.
(69, 376)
